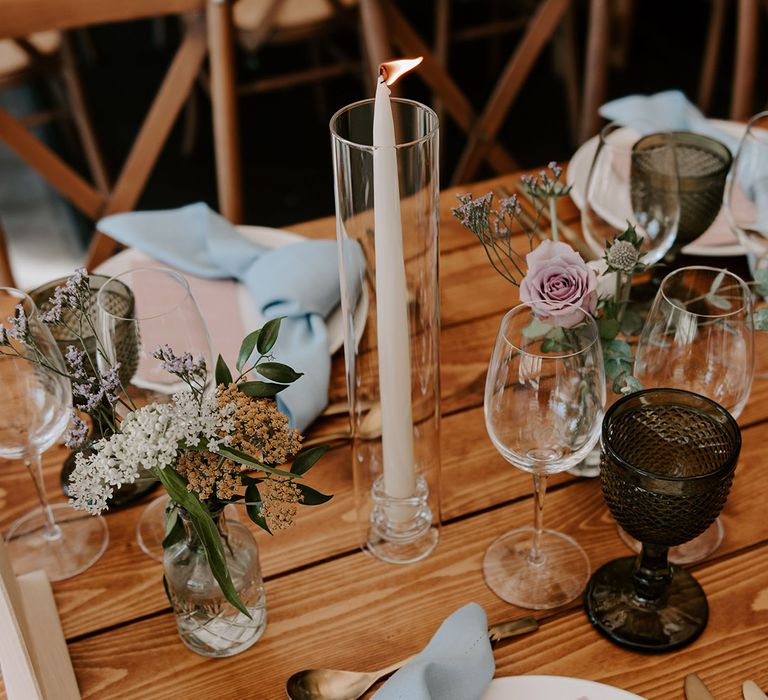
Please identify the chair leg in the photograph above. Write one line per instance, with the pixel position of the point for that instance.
(711, 55)
(442, 39)
(746, 60)
(226, 132)
(568, 55)
(595, 68)
(6, 273)
(539, 31)
(81, 116)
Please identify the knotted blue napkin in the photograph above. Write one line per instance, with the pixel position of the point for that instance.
(300, 282)
(457, 664)
(664, 111)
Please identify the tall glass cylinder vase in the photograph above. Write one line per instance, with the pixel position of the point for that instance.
(388, 255)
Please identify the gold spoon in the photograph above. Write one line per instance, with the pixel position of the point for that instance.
(333, 684)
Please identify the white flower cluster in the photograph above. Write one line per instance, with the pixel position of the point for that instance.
(149, 438)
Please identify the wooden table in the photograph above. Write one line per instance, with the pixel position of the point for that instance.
(332, 605)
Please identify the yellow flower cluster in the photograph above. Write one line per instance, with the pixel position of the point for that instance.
(258, 428)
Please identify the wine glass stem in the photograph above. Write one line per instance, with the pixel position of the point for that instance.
(35, 466)
(539, 491)
(652, 574)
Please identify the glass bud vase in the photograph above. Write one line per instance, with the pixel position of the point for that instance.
(208, 624)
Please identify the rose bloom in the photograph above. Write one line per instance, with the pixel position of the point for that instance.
(558, 275)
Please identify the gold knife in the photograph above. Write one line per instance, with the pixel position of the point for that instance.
(752, 692)
(695, 688)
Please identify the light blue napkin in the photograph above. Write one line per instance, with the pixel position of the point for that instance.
(299, 281)
(664, 111)
(457, 664)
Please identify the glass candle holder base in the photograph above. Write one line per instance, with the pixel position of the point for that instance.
(557, 577)
(696, 550)
(671, 622)
(401, 529)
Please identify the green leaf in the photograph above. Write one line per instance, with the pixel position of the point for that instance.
(618, 350)
(246, 348)
(536, 329)
(223, 375)
(761, 320)
(261, 390)
(312, 497)
(609, 328)
(254, 507)
(278, 372)
(268, 336)
(616, 367)
(761, 282)
(550, 345)
(306, 459)
(631, 323)
(174, 530)
(248, 461)
(203, 524)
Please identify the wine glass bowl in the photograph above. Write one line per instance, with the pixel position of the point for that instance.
(543, 405)
(666, 469)
(619, 192)
(699, 167)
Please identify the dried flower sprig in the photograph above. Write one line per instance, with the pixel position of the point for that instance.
(546, 189)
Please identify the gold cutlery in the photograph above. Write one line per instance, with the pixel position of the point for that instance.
(695, 688)
(333, 684)
(751, 691)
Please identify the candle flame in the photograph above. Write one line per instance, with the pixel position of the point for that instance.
(392, 71)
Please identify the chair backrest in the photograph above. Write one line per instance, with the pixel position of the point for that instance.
(22, 17)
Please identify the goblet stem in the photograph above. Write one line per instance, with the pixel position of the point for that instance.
(35, 467)
(652, 575)
(535, 557)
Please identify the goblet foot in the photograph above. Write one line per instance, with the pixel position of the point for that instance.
(80, 539)
(556, 578)
(669, 623)
(698, 549)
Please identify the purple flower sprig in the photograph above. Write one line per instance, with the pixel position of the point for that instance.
(75, 294)
(77, 433)
(192, 371)
(545, 189)
(493, 228)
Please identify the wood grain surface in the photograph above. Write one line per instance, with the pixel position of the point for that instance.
(332, 605)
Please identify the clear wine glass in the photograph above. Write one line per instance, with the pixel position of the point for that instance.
(611, 203)
(699, 337)
(33, 414)
(544, 398)
(165, 312)
(746, 191)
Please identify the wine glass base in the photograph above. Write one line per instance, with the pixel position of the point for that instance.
(150, 530)
(555, 580)
(81, 539)
(691, 552)
(654, 627)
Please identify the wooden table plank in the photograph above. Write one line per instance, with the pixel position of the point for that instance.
(358, 612)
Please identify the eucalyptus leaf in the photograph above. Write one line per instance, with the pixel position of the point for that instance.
(223, 375)
(761, 320)
(719, 302)
(311, 496)
(761, 282)
(536, 329)
(248, 461)
(618, 350)
(278, 372)
(631, 323)
(609, 328)
(206, 530)
(254, 507)
(246, 348)
(268, 336)
(717, 282)
(261, 390)
(550, 345)
(615, 367)
(307, 459)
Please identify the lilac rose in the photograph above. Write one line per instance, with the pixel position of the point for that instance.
(558, 275)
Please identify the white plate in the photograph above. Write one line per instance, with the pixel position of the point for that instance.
(553, 688)
(578, 171)
(271, 238)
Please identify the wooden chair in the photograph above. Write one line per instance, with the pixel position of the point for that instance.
(745, 58)
(21, 18)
